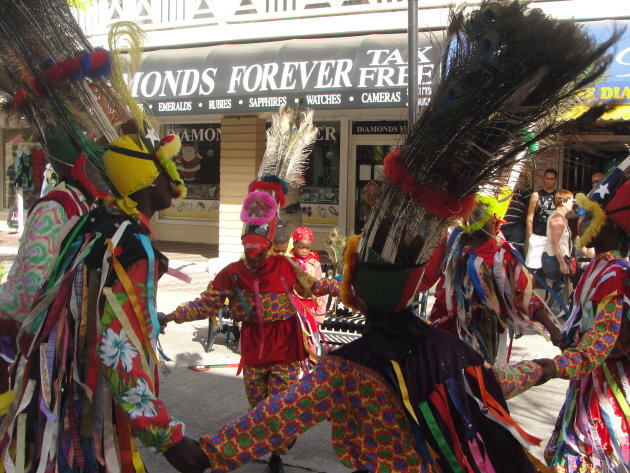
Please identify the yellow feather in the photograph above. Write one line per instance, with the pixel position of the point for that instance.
(126, 38)
(349, 267)
(597, 222)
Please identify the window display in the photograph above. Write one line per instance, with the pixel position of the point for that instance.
(319, 197)
(199, 165)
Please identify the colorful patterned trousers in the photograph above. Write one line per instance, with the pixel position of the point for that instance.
(267, 381)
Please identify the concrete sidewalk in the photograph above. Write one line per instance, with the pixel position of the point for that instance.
(207, 400)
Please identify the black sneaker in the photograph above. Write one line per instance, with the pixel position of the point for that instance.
(275, 464)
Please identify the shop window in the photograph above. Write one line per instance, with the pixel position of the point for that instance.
(199, 165)
(22, 167)
(580, 164)
(319, 197)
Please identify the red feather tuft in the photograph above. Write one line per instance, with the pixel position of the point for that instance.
(275, 187)
(434, 201)
(19, 98)
(99, 58)
(68, 66)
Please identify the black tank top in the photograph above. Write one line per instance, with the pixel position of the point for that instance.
(544, 208)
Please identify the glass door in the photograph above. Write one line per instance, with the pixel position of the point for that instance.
(369, 158)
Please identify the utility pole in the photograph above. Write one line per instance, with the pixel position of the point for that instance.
(412, 60)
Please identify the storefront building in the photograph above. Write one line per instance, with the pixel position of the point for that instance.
(219, 100)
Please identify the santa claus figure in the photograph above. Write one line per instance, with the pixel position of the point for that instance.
(188, 162)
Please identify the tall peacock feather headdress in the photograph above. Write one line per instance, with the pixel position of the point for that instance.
(505, 69)
(72, 95)
(289, 143)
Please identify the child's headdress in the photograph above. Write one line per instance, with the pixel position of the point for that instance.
(505, 69)
(610, 199)
(302, 233)
(289, 142)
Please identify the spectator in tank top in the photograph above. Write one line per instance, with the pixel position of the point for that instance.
(541, 205)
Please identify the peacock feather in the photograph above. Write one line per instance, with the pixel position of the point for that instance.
(53, 79)
(505, 69)
(289, 143)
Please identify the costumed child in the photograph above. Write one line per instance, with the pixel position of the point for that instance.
(281, 239)
(405, 396)
(276, 338)
(308, 261)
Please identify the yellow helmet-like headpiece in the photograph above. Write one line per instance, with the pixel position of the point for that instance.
(130, 167)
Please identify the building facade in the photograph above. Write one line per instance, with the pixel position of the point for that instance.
(215, 71)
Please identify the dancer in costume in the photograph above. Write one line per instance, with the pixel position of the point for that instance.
(35, 89)
(84, 381)
(592, 432)
(484, 290)
(277, 333)
(72, 197)
(86, 372)
(407, 396)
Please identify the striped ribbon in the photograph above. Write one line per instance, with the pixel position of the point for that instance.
(133, 298)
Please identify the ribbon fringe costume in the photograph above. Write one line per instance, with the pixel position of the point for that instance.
(88, 368)
(33, 263)
(481, 293)
(275, 334)
(592, 432)
(406, 396)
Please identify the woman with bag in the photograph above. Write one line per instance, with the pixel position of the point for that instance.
(556, 257)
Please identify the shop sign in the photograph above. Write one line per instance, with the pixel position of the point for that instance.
(615, 85)
(379, 127)
(355, 72)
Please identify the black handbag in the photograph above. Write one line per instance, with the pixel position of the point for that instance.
(550, 266)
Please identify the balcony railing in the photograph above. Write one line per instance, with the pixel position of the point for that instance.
(219, 21)
(160, 14)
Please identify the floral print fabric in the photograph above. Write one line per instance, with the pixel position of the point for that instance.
(33, 260)
(124, 366)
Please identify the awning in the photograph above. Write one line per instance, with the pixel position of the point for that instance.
(621, 112)
(333, 73)
(329, 73)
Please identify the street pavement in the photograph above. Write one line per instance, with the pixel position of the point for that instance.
(207, 400)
